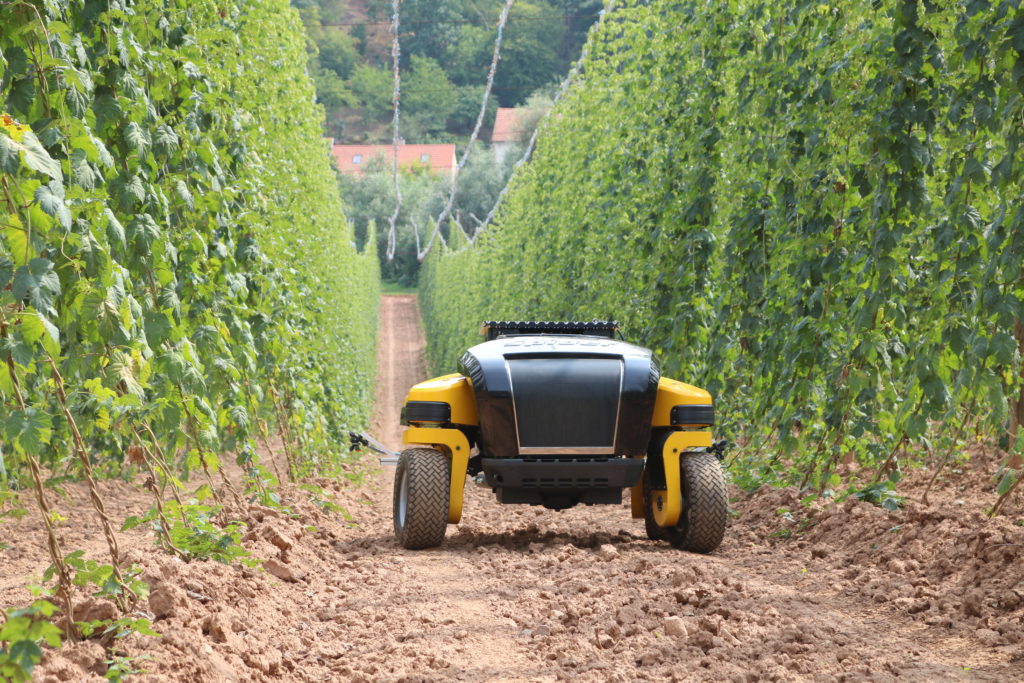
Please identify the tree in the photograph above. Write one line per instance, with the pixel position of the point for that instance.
(370, 198)
(428, 95)
(373, 86)
(467, 108)
(337, 51)
(468, 58)
(529, 53)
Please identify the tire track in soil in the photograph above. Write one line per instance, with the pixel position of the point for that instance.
(518, 593)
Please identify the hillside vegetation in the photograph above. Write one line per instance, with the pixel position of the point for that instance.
(812, 209)
(177, 277)
(446, 48)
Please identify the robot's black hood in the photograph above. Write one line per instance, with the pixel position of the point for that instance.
(562, 394)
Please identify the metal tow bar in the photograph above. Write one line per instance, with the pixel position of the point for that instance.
(360, 440)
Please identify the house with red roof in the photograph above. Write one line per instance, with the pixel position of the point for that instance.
(439, 159)
(508, 129)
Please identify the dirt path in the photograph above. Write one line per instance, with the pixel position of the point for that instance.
(518, 593)
(827, 593)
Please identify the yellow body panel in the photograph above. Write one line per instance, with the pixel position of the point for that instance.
(672, 393)
(455, 390)
(668, 504)
(455, 445)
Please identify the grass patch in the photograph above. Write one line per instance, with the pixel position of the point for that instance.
(387, 287)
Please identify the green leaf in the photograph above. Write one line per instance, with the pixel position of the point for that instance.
(51, 200)
(38, 282)
(6, 270)
(143, 231)
(23, 141)
(29, 429)
(1007, 481)
(10, 160)
(81, 171)
(36, 328)
(115, 231)
(165, 140)
(136, 138)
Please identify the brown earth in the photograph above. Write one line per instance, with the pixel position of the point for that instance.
(827, 592)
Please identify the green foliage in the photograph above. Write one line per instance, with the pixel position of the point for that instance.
(880, 494)
(530, 57)
(202, 539)
(196, 533)
(351, 63)
(810, 209)
(337, 52)
(371, 201)
(374, 87)
(467, 107)
(428, 97)
(172, 236)
(20, 635)
(90, 573)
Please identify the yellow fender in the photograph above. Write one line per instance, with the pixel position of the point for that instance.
(455, 445)
(668, 503)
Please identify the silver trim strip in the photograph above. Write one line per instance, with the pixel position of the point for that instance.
(512, 395)
(618, 404)
(564, 450)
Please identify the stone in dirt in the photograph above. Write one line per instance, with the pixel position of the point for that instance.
(628, 615)
(607, 552)
(277, 538)
(268, 662)
(283, 571)
(675, 627)
(94, 609)
(218, 627)
(167, 600)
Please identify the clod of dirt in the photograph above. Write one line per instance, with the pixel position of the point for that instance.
(283, 571)
(259, 512)
(277, 538)
(268, 662)
(628, 615)
(94, 609)
(607, 552)
(218, 627)
(674, 627)
(167, 600)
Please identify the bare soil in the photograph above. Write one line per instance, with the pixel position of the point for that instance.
(845, 592)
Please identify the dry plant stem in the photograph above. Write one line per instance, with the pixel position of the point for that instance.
(396, 94)
(1016, 459)
(194, 433)
(52, 544)
(264, 437)
(94, 493)
(949, 451)
(764, 444)
(166, 468)
(282, 426)
(147, 459)
(887, 465)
